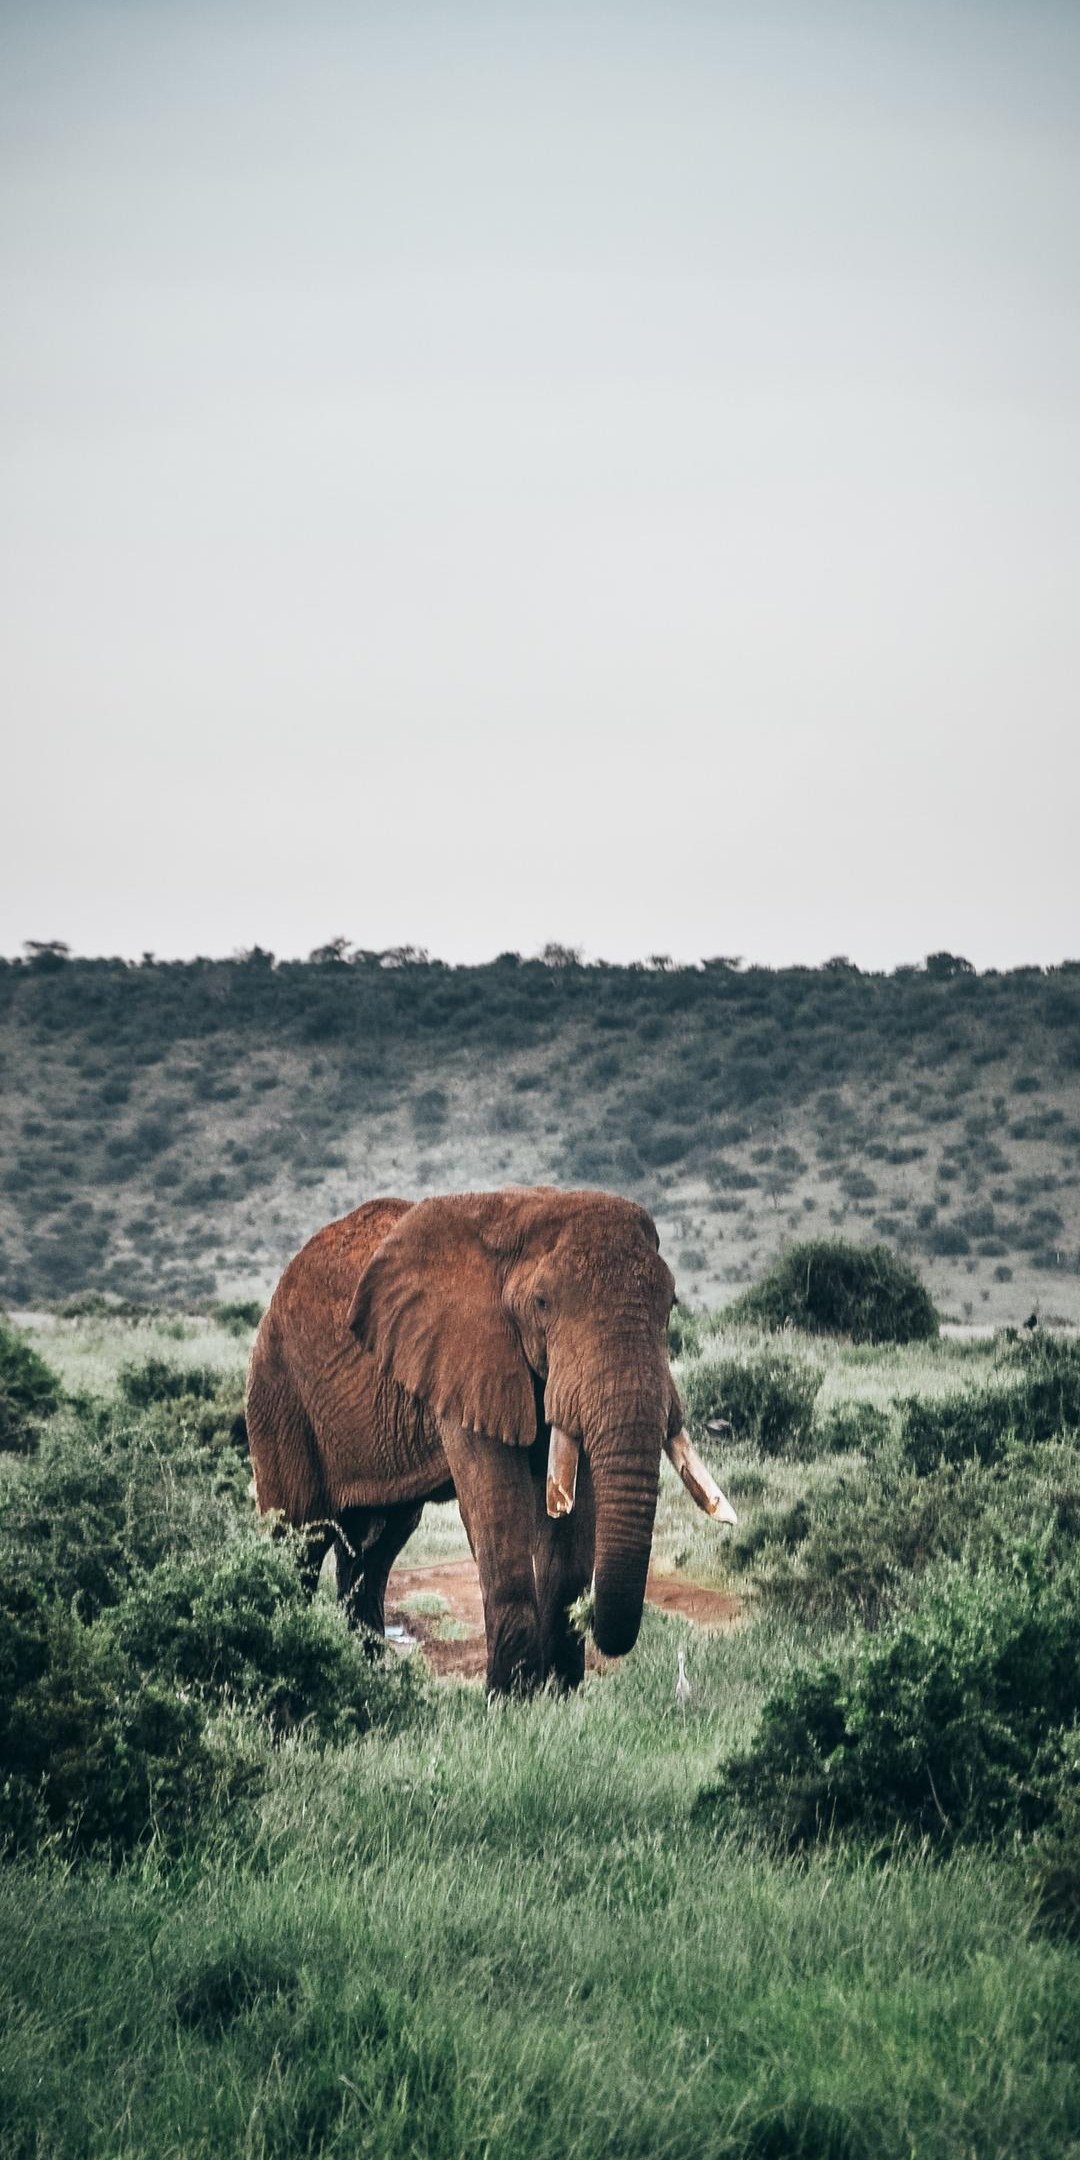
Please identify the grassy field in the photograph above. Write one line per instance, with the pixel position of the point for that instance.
(516, 1931)
(172, 1132)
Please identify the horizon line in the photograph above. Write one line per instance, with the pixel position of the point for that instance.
(46, 955)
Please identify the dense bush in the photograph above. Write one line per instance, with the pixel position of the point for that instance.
(1054, 1863)
(244, 1628)
(767, 1399)
(134, 1605)
(969, 1425)
(856, 1545)
(1034, 1394)
(847, 1427)
(685, 1332)
(29, 1392)
(238, 1315)
(196, 1401)
(828, 1287)
(93, 1753)
(955, 1724)
(659, 1145)
(108, 1497)
(156, 1380)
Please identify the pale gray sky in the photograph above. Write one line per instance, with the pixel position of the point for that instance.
(476, 474)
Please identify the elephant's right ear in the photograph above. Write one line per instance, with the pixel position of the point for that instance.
(429, 1309)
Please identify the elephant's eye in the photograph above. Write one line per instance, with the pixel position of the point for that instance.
(541, 1303)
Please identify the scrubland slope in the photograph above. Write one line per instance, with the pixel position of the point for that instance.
(174, 1131)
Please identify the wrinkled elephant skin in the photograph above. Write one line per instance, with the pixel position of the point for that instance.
(509, 1347)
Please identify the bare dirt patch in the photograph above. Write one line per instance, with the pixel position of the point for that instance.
(694, 1601)
(441, 1607)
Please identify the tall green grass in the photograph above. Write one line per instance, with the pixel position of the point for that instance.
(507, 1937)
(510, 1932)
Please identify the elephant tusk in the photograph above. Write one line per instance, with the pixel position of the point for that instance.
(699, 1482)
(562, 1472)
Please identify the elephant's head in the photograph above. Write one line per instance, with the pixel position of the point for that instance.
(515, 1312)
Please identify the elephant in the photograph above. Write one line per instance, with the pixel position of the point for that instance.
(508, 1347)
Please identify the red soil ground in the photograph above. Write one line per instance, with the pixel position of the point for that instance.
(460, 1650)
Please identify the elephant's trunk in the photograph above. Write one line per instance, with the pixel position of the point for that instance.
(626, 1477)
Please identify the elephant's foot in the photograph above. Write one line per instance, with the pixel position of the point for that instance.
(515, 1664)
(563, 1562)
(563, 1644)
(564, 1661)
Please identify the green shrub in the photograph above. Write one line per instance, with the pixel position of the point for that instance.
(156, 1380)
(108, 1497)
(856, 1544)
(828, 1287)
(195, 1402)
(767, 1399)
(133, 1606)
(590, 1159)
(771, 1530)
(863, 1539)
(727, 1176)
(660, 1145)
(94, 1305)
(1054, 1863)
(93, 1753)
(955, 1724)
(847, 1427)
(1035, 1394)
(244, 1628)
(685, 1332)
(962, 1427)
(947, 1240)
(29, 1391)
(219, 1425)
(857, 1185)
(238, 1315)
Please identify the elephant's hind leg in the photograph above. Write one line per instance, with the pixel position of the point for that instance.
(281, 1443)
(284, 1460)
(368, 1544)
(315, 1540)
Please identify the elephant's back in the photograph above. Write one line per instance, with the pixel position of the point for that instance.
(316, 1290)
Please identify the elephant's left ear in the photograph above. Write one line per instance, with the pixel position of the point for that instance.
(429, 1309)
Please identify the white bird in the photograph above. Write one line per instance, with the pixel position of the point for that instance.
(682, 1684)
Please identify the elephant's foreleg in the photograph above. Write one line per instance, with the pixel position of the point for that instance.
(494, 1488)
(563, 1561)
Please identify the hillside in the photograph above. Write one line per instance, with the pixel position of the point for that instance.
(172, 1131)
